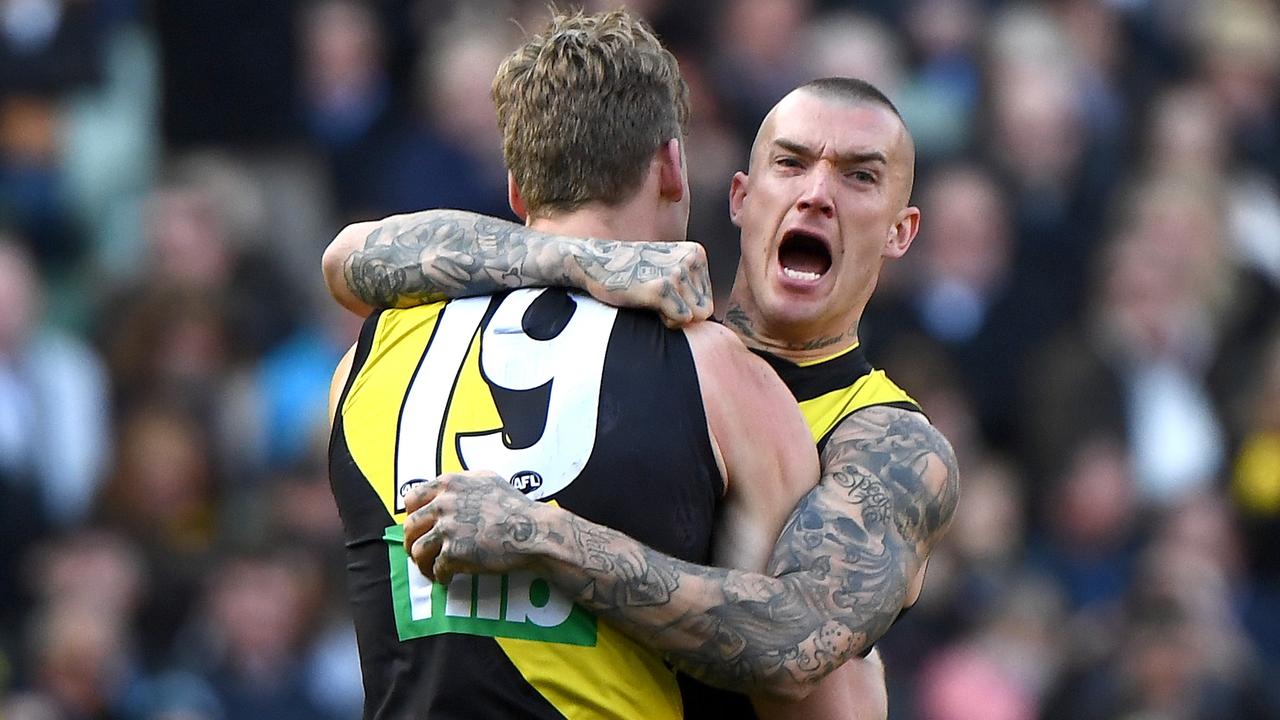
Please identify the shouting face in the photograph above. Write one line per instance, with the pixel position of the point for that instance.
(825, 202)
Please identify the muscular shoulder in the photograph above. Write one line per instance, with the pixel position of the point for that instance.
(908, 459)
(768, 451)
(732, 376)
(713, 340)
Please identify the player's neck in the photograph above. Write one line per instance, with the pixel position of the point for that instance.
(623, 222)
(799, 345)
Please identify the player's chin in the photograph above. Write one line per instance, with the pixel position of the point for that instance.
(796, 310)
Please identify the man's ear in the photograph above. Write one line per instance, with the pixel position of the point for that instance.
(513, 197)
(737, 196)
(902, 233)
(671, 173)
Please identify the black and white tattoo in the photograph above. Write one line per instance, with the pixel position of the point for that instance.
(740, 321)
(426, 257)
(839, 574)
(441, 254)
(841, 568)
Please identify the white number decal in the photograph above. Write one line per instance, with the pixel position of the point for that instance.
(427, 401)
(512, 360)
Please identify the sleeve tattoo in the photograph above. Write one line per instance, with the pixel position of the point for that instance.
(442, 254)
(430, 256)
(840, 570)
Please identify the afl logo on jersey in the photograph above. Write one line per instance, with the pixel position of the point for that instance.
(408, 487)
(526, 481)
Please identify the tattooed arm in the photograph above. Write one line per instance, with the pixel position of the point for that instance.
(408, 260)
(841, 570)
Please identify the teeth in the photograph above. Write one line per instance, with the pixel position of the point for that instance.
(800, 274)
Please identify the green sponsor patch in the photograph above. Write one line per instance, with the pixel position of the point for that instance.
(518, 605)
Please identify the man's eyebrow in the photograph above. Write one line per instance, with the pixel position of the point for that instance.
(792, 146)
(853, 158)
(856, 158)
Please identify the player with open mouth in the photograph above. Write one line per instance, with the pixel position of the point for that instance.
(803, 258)
(829, 185)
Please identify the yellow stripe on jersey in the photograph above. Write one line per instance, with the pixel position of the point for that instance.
(829, 358)
(826, 411)
(370, 412)
(617, 678)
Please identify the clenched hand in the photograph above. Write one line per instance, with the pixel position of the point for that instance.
(469, 522)
(670, 278)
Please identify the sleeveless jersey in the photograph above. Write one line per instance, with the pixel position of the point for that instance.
(578, 403)
(828, 391)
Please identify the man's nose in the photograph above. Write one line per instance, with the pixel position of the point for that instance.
(817, 194)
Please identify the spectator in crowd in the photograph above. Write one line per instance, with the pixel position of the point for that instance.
(942, 97)
(447, 154)
(1091, 525)
(756, 61)
(54, 435)
(348, 102)
(260, 610)
(959, 292)
(164, 496)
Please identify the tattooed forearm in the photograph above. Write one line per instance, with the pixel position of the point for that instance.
(841, 569)
(414, 259)
(633, 580)
(440, 254)
(839, 575)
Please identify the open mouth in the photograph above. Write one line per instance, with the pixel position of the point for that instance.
(803, 256)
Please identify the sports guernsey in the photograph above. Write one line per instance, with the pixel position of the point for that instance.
(832, 389)
(578, 403)
(828, 391)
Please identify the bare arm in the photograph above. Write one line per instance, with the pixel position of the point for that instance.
(854, 691)
(408, 260)
(840, 571)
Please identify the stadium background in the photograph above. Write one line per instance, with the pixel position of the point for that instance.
(1090, 313)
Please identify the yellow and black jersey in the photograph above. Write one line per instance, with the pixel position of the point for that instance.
(833, 388)
(578, 403)
(828, 391)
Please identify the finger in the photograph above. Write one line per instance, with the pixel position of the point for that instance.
(443, 567)
(705, 292)
(702, 284)
(696, 264)
(705, 307)
(691, 287)
(679, 315)
(675, 307)
(426, 551)
(422, 521)
(418, 493)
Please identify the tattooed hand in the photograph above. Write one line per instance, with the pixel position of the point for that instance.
(670, 278)
(408, 260)
(469, 522)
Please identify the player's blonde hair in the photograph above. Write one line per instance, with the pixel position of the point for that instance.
(583, 106)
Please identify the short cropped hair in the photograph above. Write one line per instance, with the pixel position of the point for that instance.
(583, 106)
(851, 90)
(855, 91)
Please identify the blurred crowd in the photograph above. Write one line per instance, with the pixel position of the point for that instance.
(1091, 313)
